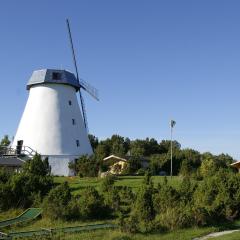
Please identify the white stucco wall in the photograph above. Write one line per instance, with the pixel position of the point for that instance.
(46, 124)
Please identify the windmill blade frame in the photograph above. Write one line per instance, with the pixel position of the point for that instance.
(76, 69)
(89, 89)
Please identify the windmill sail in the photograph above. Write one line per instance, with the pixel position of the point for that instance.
(76, 69)
(90, 89)
(83, 84)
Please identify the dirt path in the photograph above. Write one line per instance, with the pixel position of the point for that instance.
(216, 234)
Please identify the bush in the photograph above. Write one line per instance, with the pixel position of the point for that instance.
(107, 183)
(142, 214)
(174, 218)
(85, 166)
(56, 204)
(132, 166)
(91, 204)
(141, 172)
(219, 196)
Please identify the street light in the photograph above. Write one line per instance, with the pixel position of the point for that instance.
(172, 124)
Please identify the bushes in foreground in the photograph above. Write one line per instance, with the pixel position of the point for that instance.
(111, 201)
(215, 198)
(25, 188)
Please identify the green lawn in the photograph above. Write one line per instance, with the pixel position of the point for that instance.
(232, 236)
(105, 234)
(185, 234)
(77, 184)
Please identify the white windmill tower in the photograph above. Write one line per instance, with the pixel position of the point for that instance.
(52, 124)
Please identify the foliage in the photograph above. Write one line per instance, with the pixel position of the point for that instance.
(219, 196)
(107, 183)
(5, 141)
(22, 189)
(142, 213)
(93, 141)
(132, 166)
(211, 164)
(36, 166)
(91, 205)
(5, 175)
(55, 205)
(85, 166)
(185, 161)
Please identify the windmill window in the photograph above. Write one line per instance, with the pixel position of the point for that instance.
(77, 142)
(56, 76)
(73, 121)
(69, 102)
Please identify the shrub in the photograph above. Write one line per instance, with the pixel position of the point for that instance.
(107, 183)
(85, 166)
(164, 198)
(219, 196)
(55, 205)
(142, 214)
(174, 218)
(91, 204)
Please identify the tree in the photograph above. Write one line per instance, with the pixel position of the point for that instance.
(219, 196)
(157, 162)
(93, 141)
(186, 168)
(55, 205)
(117, 145)
(37, 166)
(102, 151)
(35, 179)
(132, 166)
(208, 167)
(142, 214)
(5, 141)
(91, 204)
(85, 166)
(137, 148)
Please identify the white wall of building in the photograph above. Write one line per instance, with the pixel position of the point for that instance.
(47, 122)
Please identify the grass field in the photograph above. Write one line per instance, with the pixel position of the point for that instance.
(232, 236)
(77, 184)
(105, 234)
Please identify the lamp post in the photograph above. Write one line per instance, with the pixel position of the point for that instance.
(172, 124)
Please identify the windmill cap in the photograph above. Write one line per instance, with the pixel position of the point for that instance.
(53, 76)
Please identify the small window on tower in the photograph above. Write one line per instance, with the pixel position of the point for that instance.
(73, 121)
(56, 76)
(69, 102)
(77, 142)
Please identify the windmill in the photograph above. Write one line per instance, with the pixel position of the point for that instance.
(52, 123)
(83, 84)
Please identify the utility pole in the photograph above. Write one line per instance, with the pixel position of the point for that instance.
(172, 124)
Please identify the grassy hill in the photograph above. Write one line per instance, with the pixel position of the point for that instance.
(77, 184)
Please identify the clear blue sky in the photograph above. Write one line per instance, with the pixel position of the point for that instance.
(151, 61)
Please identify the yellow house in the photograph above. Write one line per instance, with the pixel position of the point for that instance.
(117, 164)
(236, 165)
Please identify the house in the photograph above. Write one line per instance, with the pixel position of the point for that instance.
(11, 163)
(236, 165)
(118, 164)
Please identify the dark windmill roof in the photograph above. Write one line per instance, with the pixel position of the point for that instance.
(11, 162)
(53, 76)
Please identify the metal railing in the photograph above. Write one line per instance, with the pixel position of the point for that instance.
(24, 150)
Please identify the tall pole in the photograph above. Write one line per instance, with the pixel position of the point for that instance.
(171, 147)
(172, 124)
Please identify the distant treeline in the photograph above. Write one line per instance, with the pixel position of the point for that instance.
(185, 161)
